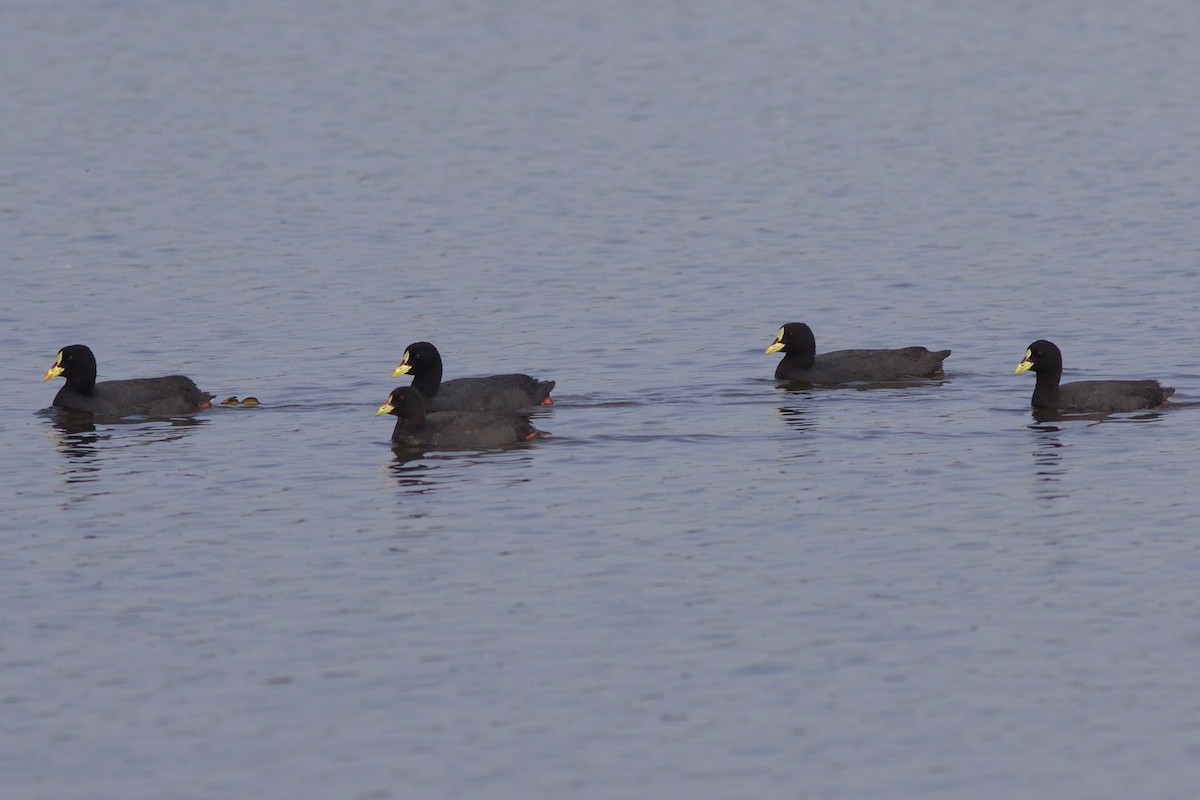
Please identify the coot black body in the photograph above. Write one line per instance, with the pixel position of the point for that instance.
(491, 393)
(1045, 360)
(801, 362)
(156, 397)
(452, 430)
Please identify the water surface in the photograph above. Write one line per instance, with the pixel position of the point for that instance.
(701, 584)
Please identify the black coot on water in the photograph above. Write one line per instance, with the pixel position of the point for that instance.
(156, 397)
(801, 362)
(452, 430)
(490, 393)
(1045, 360)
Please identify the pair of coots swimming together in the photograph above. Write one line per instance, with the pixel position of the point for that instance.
(484, 412)
(463, 412)
(801, 363)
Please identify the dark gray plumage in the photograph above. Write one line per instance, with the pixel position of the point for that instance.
(156, 397)
(490, 393)
(452, 430)
(801, 362)
(1045, 360)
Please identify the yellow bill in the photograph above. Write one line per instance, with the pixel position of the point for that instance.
(56, 369)
(776, 345)
(1025, 364)
(386, 408)
(402, 367)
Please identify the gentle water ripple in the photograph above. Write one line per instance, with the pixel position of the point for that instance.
(699, 583)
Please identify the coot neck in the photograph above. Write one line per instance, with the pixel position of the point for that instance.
(404, 428)
(1045, 392)
(81, 384)
(799, 360)
(428, 379)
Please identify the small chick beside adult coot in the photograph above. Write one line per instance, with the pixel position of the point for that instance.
(801, 362)
(491, 393)
(452, 430)
(1045, 359)
(155, 397)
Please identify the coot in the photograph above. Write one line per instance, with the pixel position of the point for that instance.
(801, 362)
(452, 430)
(156, 397)
(1045, 359)
(491, 393)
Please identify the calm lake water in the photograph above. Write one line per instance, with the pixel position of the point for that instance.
(701, 585)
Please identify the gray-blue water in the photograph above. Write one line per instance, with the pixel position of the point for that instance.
(700, 585)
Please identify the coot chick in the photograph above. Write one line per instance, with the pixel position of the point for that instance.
(801, 362)
(452, 430)
(156, 397)
(491, 393)
(1045, 359)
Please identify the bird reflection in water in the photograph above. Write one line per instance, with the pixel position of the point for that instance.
(799, 419)
(419, 472)
(1050, 425)
(1047, 461)
(1046, 417)
(78, 440)
(83, 437)
(411, 471)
